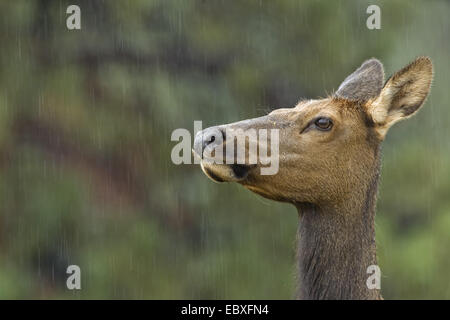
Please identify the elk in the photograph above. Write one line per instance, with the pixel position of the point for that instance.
(329, 167)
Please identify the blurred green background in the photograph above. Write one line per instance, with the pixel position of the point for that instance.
(85, 122)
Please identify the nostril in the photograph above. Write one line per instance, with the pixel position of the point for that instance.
(212, 137)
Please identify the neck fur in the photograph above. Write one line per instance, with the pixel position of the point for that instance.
(336, 245)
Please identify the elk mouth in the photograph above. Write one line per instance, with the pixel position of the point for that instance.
(210, 174)
(240, 170)
(225, 172)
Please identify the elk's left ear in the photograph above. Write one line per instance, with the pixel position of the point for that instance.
(403, 94)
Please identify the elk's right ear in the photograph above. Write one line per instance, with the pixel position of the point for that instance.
(401, 97)
(363, 84)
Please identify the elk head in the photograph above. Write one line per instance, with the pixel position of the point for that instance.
(327, 147)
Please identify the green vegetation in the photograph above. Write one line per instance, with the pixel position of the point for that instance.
(85, 124)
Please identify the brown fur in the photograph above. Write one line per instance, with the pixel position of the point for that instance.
(332, 176)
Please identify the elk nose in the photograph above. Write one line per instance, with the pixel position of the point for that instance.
(210, 137)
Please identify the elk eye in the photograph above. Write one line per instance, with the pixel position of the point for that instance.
(324, 124)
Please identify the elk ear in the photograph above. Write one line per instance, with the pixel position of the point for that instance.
(363, 84)
(401, 97)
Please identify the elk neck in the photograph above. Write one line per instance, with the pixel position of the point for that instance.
(336, 245)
